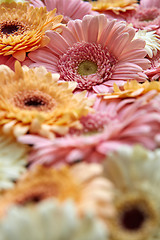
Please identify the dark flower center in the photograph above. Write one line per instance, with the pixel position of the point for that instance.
(133, 219)
(9, 29)
(33, 100)
(14, 27)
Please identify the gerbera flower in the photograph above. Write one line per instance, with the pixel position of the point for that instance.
(31, 100)
(13, 156)
(133, 89)
(152, 41)
(51, 220)
(135, 175)
(114, 5)
(149, 4)
(128, 121)
(70, 9)
(95, 53)
(144, 18)
(82, 183)
(23, 27)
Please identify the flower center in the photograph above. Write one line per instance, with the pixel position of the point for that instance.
(87, 68)
(89, 64)
(34, 100)
(133, 219)
(33, 198)
(12, 28)
(135, 213)
(146, 18)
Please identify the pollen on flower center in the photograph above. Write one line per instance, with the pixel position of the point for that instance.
(12, 27)
(87, 68)
(33, 100)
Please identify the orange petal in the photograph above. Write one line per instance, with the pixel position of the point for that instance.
(20, 55)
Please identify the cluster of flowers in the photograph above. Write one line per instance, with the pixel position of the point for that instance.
(79, 120)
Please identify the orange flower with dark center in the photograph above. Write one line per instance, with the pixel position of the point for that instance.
(82, 183)
(33, 101)
(23, 27)
(39, 184)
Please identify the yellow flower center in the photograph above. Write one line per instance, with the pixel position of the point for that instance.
(34, 100)
(87, 67)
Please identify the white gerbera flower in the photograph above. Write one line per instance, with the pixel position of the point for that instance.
(152, 41)
(50, 220)
(12, 160)
(135, 174)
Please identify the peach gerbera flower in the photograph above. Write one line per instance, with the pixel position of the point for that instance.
(95, 53)
(132, 89)
(32, 100)
(23, 27)
(82, 183)
(114, 5)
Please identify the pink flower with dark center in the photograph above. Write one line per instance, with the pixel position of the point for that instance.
(150, 3)
(94, 52)
(132, 121)
(144, 18)
(70, 9)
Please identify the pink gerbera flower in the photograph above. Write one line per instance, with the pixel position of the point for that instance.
(70, 9)
(8, 60)
(150, 3)
(153, 72)
(132, 121)
(95, 53)
(144, 18)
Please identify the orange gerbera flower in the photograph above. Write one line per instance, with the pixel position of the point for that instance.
(132, 89)
(23, 27)
(82, 183)
(114, 5)
(31, 100)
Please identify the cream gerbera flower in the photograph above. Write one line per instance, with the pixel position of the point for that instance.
(88, 189)
(12, 160)
(51, 220)
(23, 27)
(132, 89)
(135, 174)
(32, 100)
(114, 5)
(152, 41)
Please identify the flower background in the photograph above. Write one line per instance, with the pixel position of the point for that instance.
(79, 120)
